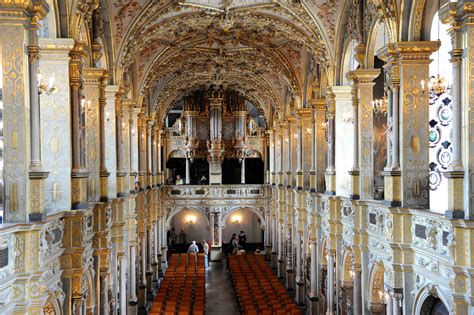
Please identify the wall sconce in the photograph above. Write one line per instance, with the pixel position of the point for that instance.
(351, 273)
(84, 106)
(46, 87)
(123, 126)
(381, 295)
(295, 136)
(236, 219)
(308, 130)
(107, 116)
(191, 219)
(286, 140)
(133, 131)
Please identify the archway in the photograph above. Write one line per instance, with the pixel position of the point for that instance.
(248, 220)
(189, 224)
(376, 288)
(347, 281)
(433, 306)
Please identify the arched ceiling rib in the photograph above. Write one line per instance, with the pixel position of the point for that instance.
(257, 47)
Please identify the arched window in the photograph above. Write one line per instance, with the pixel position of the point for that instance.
(440, 153)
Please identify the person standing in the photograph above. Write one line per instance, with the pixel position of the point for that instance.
(205, 247)
(242, 239)
(182, 237)
(193, 248)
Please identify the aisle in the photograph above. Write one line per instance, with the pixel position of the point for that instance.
(220, 298)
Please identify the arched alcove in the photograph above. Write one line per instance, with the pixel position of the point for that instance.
(376, 288)
(193, 222)
(433, 306)
(243, 219)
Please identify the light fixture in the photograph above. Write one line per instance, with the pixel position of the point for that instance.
(107, 116)
(133, 131)
(236, 219)
(191, 219)
(46, 86)
(308, 130)
(351, 273)
(437, 85)
(381, 295)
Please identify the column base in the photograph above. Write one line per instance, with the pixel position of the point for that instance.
(274, 260)
(268, 252)
(392, 192)
(141, 297)
(355, 189)
(330, 177)
(132, 308)
(37, 196)
(281, 269)
(149, 278)
(313, 305)
(79, 199)
(455, 194)
(290, 280)
(300, 293)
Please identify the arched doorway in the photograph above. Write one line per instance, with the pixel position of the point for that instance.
(187, 225)
(247, 220)
(433, 306)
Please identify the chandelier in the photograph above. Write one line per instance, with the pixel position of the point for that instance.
(437, 85)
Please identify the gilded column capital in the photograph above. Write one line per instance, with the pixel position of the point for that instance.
(415, 51)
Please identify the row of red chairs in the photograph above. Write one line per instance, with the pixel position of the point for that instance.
(183, 288)
(257, 289)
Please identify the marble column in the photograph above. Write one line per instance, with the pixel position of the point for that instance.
(272, 145)
(354, 172)
(455, 172)
(143, 268)
(299, 153)
(330, 283)
(120, 126)
(330, 174)
(388, 304)
(133, 275)
(318, 145)
(396, 303)
(104, 293)
(289, 166)
(104, 173)
(392, 172)
(79, 174)
(123, 285)
(357, 290)
(242, 171)
(281, 181)
(188, 173)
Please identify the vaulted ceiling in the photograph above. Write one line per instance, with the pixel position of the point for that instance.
(263, 49)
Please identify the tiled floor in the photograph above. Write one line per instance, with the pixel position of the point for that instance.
(220, 298)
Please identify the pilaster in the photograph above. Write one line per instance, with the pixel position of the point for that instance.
(56, 122)
(414, 60)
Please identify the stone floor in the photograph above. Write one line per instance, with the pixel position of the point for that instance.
(220, 298)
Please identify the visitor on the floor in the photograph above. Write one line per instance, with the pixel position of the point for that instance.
(182, 237)
(173, 237)
(235, 241)
(205, 247)
(193, 248)
(179, 180)
(242, 239)
(240, 251)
